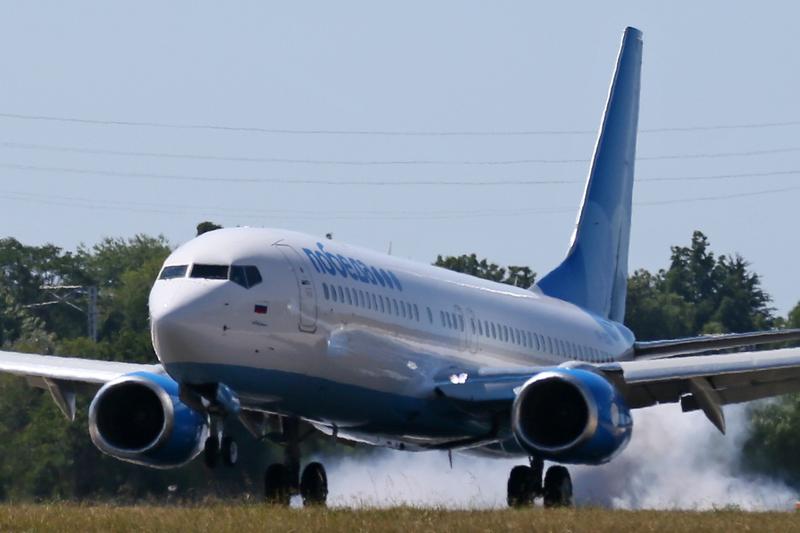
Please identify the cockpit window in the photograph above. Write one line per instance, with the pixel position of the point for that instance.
(246, 276)
(253, 275)
(210, 271)
(173, 271)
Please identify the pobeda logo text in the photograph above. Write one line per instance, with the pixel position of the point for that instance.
(347, 267)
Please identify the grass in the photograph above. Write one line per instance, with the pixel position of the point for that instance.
(250, 517)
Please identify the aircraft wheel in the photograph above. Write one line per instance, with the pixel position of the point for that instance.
(276, 485)
(521, 489)
(314, 485)
(557, 487)
(230, 451)
(211, 451)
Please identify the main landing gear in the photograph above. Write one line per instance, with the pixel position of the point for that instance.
(282, 480)
(525, 485)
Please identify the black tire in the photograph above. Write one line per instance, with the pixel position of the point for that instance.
(557, 487)
(276, 485)
(230, 451)
(521, 487)
(314, 485)
(211, 451)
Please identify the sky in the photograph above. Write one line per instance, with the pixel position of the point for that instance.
(368, 119)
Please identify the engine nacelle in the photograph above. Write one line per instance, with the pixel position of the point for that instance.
(140, 418)
(571, 416)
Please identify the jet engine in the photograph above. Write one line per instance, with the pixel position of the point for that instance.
(571, 416)
(140, 418)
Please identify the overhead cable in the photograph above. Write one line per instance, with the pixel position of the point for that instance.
(378, 132)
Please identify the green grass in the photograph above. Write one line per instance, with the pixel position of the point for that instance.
(239, 518)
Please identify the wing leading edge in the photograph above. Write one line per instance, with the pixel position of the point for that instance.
(692, 345)
(64, 376)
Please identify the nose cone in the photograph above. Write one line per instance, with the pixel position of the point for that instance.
(187, 319)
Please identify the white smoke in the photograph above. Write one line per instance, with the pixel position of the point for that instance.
(674, 461)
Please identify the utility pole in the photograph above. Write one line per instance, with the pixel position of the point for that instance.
(65, 294)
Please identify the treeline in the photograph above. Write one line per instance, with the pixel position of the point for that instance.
(46, 457)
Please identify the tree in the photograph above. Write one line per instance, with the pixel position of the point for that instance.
(699, 293)
(519, 276)
(205, 227)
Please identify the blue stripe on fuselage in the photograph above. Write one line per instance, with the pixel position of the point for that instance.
(345, 405)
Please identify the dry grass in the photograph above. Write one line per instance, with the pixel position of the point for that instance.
(240, 518)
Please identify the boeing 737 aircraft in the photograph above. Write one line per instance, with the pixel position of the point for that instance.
(286, 333)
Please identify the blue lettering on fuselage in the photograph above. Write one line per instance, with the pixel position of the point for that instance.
(337, 264)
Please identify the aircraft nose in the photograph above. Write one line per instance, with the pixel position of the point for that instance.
(185, 319)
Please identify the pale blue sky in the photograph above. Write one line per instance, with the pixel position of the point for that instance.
(421, 66)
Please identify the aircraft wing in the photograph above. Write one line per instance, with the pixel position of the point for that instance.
(705, 382)
(692, 345)
(64, 376)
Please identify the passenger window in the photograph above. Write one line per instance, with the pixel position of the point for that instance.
(333, 294)
(341, 294)
(480, 328)
(430, 315)
(403, 309)
(441, 316)
(174, 271)
(380, 301)
(494, 331)
(374, 302)
(449, 320)
(472, 325)
(347, 294)
(325, 290)
(396, 310)
(388, 305)
(210, 271)
(416, 313)
(460, 322)
(505, 333)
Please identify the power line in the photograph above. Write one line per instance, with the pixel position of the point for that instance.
(393, 133)
(373, 183)
(170, 209)
(368, 162)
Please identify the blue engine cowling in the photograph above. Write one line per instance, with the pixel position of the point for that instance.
(140, 418)
(571, 416)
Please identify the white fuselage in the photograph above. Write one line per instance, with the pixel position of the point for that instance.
(349, 338)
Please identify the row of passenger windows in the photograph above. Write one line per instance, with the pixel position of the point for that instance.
(244, 275)
(370, 300)
(524, 338)
(455, 321)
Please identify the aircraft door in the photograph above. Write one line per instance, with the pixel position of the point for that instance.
(305, 285)
(472, 331)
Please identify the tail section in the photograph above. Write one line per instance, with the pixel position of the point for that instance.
(595, 272)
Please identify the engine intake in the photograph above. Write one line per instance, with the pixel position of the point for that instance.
(571, 415)
(139, 418)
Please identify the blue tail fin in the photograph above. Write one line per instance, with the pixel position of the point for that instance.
(595, 272)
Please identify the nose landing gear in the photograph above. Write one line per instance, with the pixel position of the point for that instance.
(525, 485)
(216, 449)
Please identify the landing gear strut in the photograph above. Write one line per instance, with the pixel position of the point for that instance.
(525, 485)
(216, 448)
(282, 480)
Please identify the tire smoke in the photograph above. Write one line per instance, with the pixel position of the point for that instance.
(675, 461)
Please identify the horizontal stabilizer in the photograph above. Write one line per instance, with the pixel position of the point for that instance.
(706, 343)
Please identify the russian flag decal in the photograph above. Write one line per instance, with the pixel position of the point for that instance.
(260, 309)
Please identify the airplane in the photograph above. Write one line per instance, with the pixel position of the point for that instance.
(288, 334)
